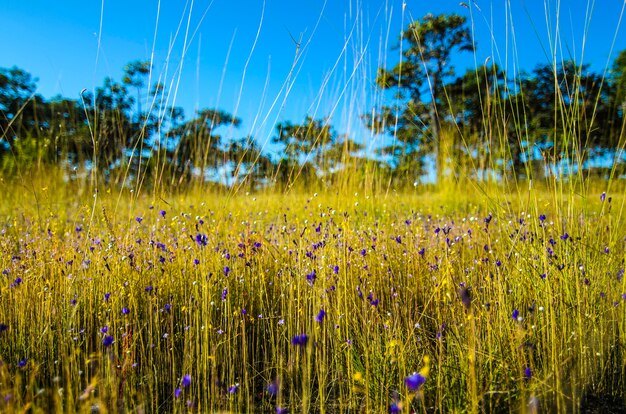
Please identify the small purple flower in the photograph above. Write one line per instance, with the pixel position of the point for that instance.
(542, 218)
(233, 389)
(244, 312)
(226, 270)
(163, 213)
(167, 307)
(73, 302)
(186, 381)
(603, 196)
(335, 269)
(310, 277)
(177, 392)
(280, 410)
(3, 327)
(528, 373)
(107, 341)
(272, 389)
(421, 252)
(363, 252)
(22, 363)
(395, 408)
(224, 294)
(565, 236)
(138, 219)
(149, 289)
(414, 381)
(320, 316)
(399, 239)
(196, 262)
(515, 314)
(107, 296)
(300, 340)
(104, 329)
(125, 310)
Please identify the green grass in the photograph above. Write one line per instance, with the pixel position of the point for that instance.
(66, 248)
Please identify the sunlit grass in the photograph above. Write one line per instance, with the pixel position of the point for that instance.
(495, 304)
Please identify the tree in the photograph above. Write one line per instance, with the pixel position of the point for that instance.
(195, 145)
(422, 71)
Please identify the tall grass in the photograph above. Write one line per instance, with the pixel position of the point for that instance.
(503, 295)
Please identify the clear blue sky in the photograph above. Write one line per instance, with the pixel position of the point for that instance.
(61, 43)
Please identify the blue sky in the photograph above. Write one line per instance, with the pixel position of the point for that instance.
(70, 45)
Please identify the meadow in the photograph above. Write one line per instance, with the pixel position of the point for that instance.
(458, 245)
(463, 301)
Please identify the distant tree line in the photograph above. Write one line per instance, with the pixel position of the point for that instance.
(482, 124)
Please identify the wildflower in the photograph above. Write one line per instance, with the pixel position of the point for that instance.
(399, 239)
(224, 294)
(272, 389)
(515, 314)
(186, 381)
(202, 239)
(149, 289)
(107, 296)
(542, 218)
(196, 262)
(125, 310)
(138, 219)
(177, 392)
(104, 329)
(226, 270)
(528, 373)
(107, 341)
(280, 410)
(565, 236)
(320, 316)
(163, 213)
(603, 196)
(300, 340)
(395, 408)
(3, 327)
(233, 389)
(414, 381)
(22, 363)
(310, 277)
(336, 269)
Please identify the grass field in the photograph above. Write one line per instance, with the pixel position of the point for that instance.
(311, 303)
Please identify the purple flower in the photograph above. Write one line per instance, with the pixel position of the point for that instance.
(603, 196)
(224, 294)
(163, 213)
(138, 219)
(300, 340)
(335, 269)
(320, 316)
(22, 363)
(565, 236)
(3, 327)
(107, 341)
(233, 389)
(177, 392)
(414, 381)
(280, 410)
(515, 314)
(125, 310)
(202, 239)
(395, 408)
(196, 262)
(104, 329)
(107, 296)
(149, 289)
(272, 389)
(186, 381)
(542, 218)
(310, 277)
(363, 252)
(226, 270)
(528, 373)
(399, 239)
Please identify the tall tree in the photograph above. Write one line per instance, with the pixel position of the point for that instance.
(427, 48)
